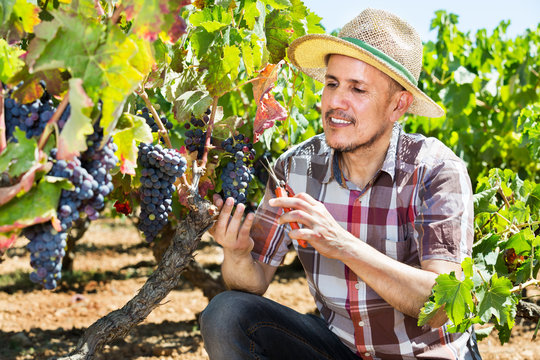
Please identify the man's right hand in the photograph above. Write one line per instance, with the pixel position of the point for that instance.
(229, 231)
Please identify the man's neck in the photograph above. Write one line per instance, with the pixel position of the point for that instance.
(361, 165)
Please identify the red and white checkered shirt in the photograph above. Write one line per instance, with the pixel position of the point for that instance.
(419, 206)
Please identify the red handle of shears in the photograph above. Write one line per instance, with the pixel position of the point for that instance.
(281, 192)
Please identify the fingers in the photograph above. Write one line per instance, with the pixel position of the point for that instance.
(218, 201)
(224, 215)
(246, 227)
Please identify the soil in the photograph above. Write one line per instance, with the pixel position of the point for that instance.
(112, 262)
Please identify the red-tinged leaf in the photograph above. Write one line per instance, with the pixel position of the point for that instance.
(27, 180)
(266, 80)
(127, 166)
(28, 92)
(52, 78)
(6, 241)
(152, 18)
(36, 206)
(130, 131)
(269, 110)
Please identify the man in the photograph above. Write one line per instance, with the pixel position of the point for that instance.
(383, 213)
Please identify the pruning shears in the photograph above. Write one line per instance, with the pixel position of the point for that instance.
(283, 190)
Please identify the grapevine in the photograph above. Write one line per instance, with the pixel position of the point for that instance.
(71, 135)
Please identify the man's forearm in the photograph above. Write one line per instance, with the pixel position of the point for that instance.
(244, 273)
(404, 287)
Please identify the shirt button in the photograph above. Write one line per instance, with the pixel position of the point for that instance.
(367, 354)
(357, 286)
(361, 323)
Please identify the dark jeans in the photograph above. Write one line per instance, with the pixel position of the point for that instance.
(238, 325)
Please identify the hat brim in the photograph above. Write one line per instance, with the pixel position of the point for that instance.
(308, 54)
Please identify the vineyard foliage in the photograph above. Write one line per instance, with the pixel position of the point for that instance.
(219, 69)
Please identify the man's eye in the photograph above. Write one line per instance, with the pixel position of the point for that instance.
(357, 90)
(331, 85)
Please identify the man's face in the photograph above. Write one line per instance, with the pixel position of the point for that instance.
(355, 104)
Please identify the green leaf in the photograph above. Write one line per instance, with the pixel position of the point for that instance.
(130, 130)
(496, 301)
(278, 4)
(18, 157)
(483, 201)
(455, 295)
(211, 19)
(72, 140)
(427, 312)
(231, 61)
(251, 12)
(189, 102)
(278, 28)
(10, 63)
(483, 333)
(37, 205)
(110, 63)
(17, 19)
(467, 266)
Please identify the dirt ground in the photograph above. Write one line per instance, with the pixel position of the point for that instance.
(111, 264)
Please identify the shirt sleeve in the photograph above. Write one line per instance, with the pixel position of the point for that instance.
(444, 223)
(271, 239)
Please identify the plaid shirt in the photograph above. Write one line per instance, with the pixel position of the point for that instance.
(418, 207)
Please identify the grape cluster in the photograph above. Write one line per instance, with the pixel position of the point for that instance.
(92, 182)
(238, 173)
(98, 160)
(160, 168)
(32, 117)
(195, 139)
(151, 122)
(47, 248)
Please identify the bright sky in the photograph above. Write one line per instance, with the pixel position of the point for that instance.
(473, 14)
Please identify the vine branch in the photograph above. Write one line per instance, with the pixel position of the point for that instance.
(52, 121)
(210, 128)
(162, 131)
(3, 141)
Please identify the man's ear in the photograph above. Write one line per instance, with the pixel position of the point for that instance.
(402, 104)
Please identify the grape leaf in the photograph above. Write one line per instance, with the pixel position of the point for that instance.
(211, 19)
(495, 300)
(18, 18)
(110, 63)
(152, 18)
(131, 129)
(36, 206)
(269, 110)
(278, 27)
(10, 62)
(19, 157)
(25, 183)
(31, 89)
(427, 312)
(72, 139)
(455, 295)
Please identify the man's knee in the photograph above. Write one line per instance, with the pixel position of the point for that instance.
(224, 312)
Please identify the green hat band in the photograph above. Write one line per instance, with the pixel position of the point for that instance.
(400, 68)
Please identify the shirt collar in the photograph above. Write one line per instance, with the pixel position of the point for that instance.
(388, 166)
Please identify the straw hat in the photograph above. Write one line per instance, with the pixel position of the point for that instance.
(378, 38)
